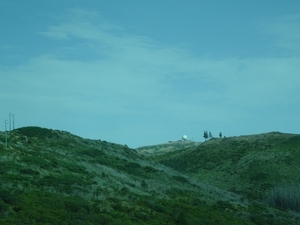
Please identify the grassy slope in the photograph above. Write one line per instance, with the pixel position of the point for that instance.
(250, 165)
(53, 177)
(167, 147)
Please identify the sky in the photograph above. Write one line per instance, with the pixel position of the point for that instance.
(147, 72)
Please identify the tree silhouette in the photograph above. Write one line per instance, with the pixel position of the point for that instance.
(205, 135)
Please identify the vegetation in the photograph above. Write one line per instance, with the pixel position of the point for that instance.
(171, 146)
(53, 177)
(205, 135)
(286, 197)
(261, 167)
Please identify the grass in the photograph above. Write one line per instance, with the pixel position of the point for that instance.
(251, 165)
(82, 181)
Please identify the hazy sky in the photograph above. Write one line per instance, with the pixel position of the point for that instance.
(146, 72)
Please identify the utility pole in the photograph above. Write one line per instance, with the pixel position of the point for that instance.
(13, 116)
(9, 116)
(5, 122)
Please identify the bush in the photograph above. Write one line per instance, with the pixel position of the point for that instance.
(92, 152)
(29, 172)
(37, 161)
(7, 196)
(75, 168)
(285, 197)
(34, 132)
(3, 206)
(181, 179)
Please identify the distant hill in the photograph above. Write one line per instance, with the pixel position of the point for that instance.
(264, 167)
(54, 177)
(166, 147)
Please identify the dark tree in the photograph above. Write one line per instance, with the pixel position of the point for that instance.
(205, 135)
(220, 135)
(210, 135)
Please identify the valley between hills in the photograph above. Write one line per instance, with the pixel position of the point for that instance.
(54, 177)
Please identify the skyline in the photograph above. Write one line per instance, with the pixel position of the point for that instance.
(141, 73)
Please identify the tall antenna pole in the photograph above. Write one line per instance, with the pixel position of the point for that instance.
(9, 121)
(5, 121)
(13, 123)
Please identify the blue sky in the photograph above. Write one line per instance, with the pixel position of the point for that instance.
(147, 72)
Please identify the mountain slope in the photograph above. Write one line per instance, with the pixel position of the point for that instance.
(167, 147)
(54, 177)
(263, 167)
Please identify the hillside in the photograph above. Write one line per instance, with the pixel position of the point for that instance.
(264, 167)
(53, 177)
(171, 146)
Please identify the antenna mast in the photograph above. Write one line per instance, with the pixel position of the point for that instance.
(9, 115)
(5, 122)
(13, 116)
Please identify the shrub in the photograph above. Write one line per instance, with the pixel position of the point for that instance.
(181, 179)
(92, 152)
(3, 207)
(75, 168)
(29, 172)
(285, 197)
(7, 196)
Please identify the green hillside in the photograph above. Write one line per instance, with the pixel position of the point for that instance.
(54, 177)
(171, 146)
(263, 167)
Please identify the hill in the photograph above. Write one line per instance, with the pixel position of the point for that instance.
(54, 177)
(263, 167)
(171, 146)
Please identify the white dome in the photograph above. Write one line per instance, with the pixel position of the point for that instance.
(184, 137)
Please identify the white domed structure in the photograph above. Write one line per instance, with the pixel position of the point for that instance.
(184, 137)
